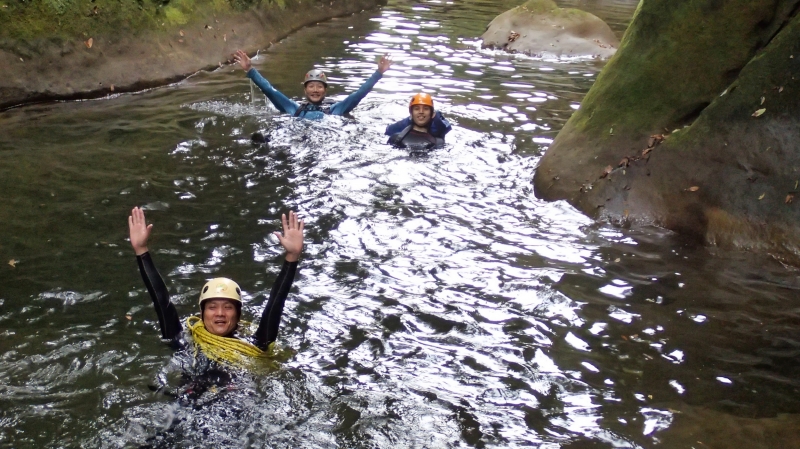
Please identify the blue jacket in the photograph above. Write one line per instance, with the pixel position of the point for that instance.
(284, 104)
(439, 126)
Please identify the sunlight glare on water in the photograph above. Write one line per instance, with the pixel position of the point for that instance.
(438, 303)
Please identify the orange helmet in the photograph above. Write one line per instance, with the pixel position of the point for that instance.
(425, 99)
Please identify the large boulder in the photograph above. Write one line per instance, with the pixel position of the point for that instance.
(541, 28)
(57, 49)
(693, 125)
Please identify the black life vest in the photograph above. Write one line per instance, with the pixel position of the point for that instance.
(415, 141)
(324, 106)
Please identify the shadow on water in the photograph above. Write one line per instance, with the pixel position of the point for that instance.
(439, 304)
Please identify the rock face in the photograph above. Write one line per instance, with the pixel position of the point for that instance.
(539, 27)
(719, 82)
(57, 49)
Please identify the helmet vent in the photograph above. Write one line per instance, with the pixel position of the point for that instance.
(205, 289)
(238, 292)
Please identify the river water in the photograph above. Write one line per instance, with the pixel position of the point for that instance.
(438, 304)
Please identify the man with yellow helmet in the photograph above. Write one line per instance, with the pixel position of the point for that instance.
(315, 87)
(423, 130)
(220, 298)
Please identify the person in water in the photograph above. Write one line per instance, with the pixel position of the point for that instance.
(220, 298)
(315, 87)
(423, 130)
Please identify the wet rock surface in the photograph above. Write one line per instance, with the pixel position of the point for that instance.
(702, 139)
(124, 51)
(539, 27)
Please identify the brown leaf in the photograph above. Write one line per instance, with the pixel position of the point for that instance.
(646, 151)
(180, 40)
(112, 88)
(624, 162)
(759, 112)
(128, 317)
(13, 263)
(89, 42)
(209, 27)
(181, 33)
(512, 36)
(606, 171)
(761, 197)
(693, 188)
(789, 199)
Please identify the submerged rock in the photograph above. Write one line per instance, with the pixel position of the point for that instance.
(539, 27)
(697, 131)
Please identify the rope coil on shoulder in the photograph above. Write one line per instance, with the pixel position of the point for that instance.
(232, 352)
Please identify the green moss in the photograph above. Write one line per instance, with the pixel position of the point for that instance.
(174, 16)
(538, 6)
(674, 59)
(30, 20)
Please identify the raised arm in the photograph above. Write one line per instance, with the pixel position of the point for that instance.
(168, 319)
(352, 100)
(281, 101)
(292, 242)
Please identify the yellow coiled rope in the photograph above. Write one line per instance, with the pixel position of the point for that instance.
(232, 352)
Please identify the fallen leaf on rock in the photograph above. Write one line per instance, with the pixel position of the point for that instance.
(112, 88)
(617, 260)
(89, 42)
(606, 171)
(181, 33)
(762, 100)
(789, 199)
(180, 40)
(759, 112)
(209, 27)
(624, 162)
(780, 89)
(128, 317)
(13, 263)
(693, 188)
(512, 36)
(761, 197)
(21, 60)
(225, 37)
(646, 151)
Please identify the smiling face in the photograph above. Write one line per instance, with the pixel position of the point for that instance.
(315, 91)
(421, 115)
(220, 316)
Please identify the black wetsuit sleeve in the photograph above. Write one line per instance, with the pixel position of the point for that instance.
(267, 330)
(167, 315)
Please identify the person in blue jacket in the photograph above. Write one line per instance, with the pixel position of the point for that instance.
(424, 129)
(315, 86)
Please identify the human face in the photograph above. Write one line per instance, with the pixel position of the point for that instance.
(220, 316)
(315, 91)
(421, 115)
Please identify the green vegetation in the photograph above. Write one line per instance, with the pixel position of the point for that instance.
(34, 19)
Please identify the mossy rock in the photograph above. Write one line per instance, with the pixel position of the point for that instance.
(727, 171)
(541, 28)
(63, 49)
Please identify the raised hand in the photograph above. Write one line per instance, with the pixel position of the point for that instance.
(243, 60)
(385, 63)
(292, 237)
(139, 231)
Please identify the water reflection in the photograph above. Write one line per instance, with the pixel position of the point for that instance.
(439, 304)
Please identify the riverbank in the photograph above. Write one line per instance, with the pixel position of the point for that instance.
(92, 49)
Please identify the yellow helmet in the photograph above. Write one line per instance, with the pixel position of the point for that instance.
(221, 288)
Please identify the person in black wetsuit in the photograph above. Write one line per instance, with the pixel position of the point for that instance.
(220, 299)
(423, 130)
